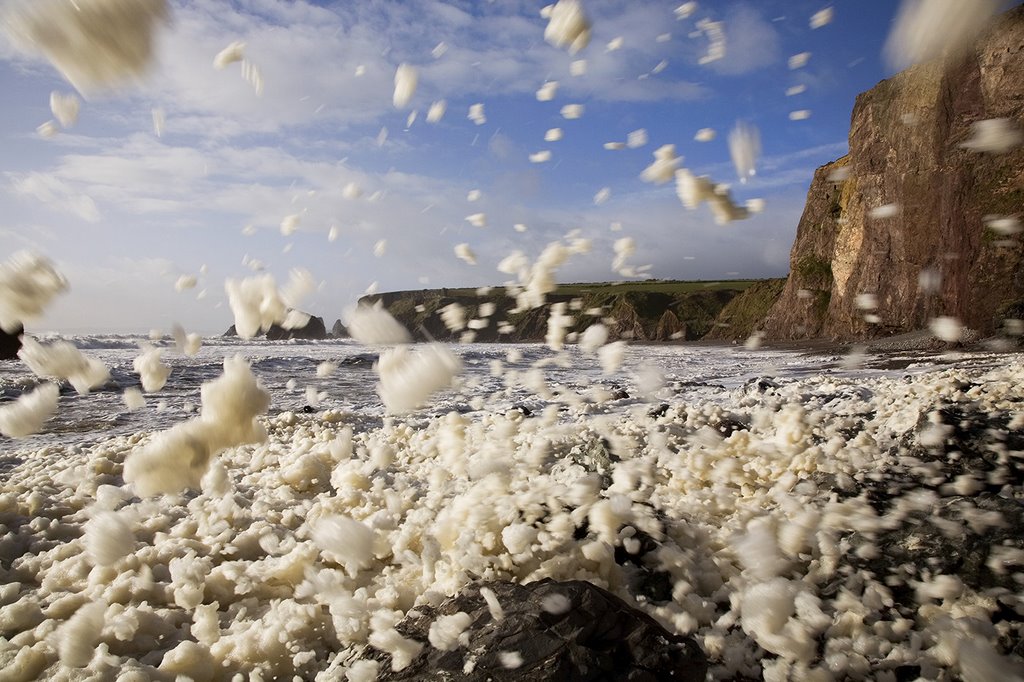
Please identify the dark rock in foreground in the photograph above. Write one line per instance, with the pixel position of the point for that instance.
(598, 637)
(10, 343)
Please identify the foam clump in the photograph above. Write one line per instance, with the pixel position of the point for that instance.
(745, 148)
(234, 52)
(373, 325)
(946, 328)
(464, 253)
(447, 633)
(994, 135)
(799, 61)
(568, 26)
(664, 166)
(28, 282)
(108, 538)
(151, 369)
(783, 618)
(715, 33)
(476, 114)
(693, 191)
(822, 17)
(436, 111)
(26, 416)
(256, 304)
(64, 108)
(186, 343)
(406, 80)
(177, 458)
(95, 44)
(705, 135)
(547, 92)
(926, 29)
(408, 377)
(61, 360)
(346, 541)
(76, 639)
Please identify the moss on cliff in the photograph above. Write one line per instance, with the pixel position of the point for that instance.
(744, 313)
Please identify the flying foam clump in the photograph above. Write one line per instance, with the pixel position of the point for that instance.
(176, 459)
(61, 360)
(463, 252)
(65, 108)
(436, 111)
(744, 148)
(664, 166)
(234, 52)
(994, 135)
(374, 325)
(255, 303)
(568, 26)
(29, 412)
(693, 191)
(28, 282)
(409, 377)
(925, 29)
(406, 80)
(151, 369)
(95, 44)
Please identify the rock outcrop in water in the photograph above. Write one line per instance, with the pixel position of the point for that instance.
(313, 330)
(934, 256)
(10, 344)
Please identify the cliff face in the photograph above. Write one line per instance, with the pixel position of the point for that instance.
(905, 149)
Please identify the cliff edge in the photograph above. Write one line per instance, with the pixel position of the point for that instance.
(908, 222)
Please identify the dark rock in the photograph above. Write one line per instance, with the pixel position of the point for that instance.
(762, 384)
(659, 411)
(599, 637)
(339, 331)
(363, 360)
(10, 343)
(313, 330)
(523, 409)
(944, 538)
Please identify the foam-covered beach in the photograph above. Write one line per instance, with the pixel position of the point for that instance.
(842, 525)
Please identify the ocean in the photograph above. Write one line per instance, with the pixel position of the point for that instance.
(772, 483)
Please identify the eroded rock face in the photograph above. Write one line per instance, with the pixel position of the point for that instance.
(597, 637)
(10, 344)
(906, 138)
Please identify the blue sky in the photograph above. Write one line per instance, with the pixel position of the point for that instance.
(123, 212)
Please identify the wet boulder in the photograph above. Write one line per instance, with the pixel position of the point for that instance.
(549, 630)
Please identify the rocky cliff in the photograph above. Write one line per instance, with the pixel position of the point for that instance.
(908, 222)
(641, 315)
